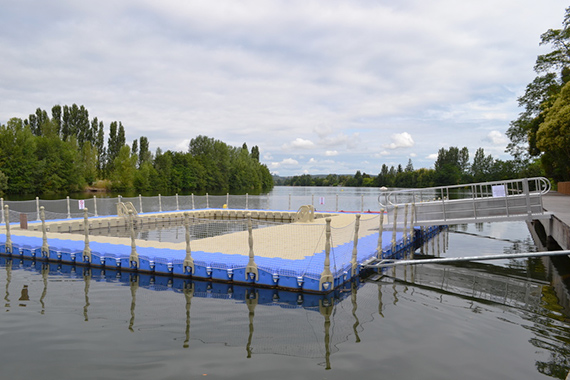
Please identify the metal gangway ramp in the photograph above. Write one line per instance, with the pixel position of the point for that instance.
(519, 199)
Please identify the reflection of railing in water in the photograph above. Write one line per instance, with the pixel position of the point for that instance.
(313, 337)
(477, 284)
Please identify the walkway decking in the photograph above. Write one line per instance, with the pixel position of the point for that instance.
(559, 204)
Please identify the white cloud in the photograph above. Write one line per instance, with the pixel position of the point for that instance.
(341, 139)
(401, 140)
(183, 145)
(331, 153)
(432, 156)
(289, 161)
(497, 138)
(299, 143)
(382, 154)
(284, 162)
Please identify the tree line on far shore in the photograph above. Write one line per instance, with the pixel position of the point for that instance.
(67, 152)
(451, 167)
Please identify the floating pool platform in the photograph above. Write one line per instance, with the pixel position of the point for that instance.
(314, 256)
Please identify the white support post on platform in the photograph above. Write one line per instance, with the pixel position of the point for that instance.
(227, 200)
(327, 281)
(251, 268)
(87, 249)
(8, 244)
(188, 264)
(336, 207)
(246, 201)
(362, 203)
(394, 229)
(354, 260)
(134, 257)
(45, 246)
(412, 219)
(207, 201)
(313, 200)
(159, 203)
(380, 232)
(405, 224)
(177, 204)
(95, 205)
(68, 209)
(38, 208)
(140, 204)
(2, 205)
(193, 208)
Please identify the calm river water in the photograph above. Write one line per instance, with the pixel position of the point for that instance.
(505, 320)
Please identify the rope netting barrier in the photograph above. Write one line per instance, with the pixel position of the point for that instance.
(104, 206)
(323, 250)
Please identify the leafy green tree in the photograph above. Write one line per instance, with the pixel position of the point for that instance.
(448, 168)
(17, 156)
(144, 151)
(135, 148)
(163, 167)
(100, 146)
(553, 136)
(88, 163)
(123, 175)
(255, 153)
(143, 181)
(58, 166)
(214, 156)
(3, 182)
(539, 101)
(114, 144)
(482, 166)
(56, 117)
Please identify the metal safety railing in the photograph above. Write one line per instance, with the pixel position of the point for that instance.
(518, 199)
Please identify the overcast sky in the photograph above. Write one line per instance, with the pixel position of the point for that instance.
(320, 86)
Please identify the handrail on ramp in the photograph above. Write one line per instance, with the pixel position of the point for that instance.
(517, 199)
(123, 209)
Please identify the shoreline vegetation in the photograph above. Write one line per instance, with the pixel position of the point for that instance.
(452, 167)
(68, 152)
